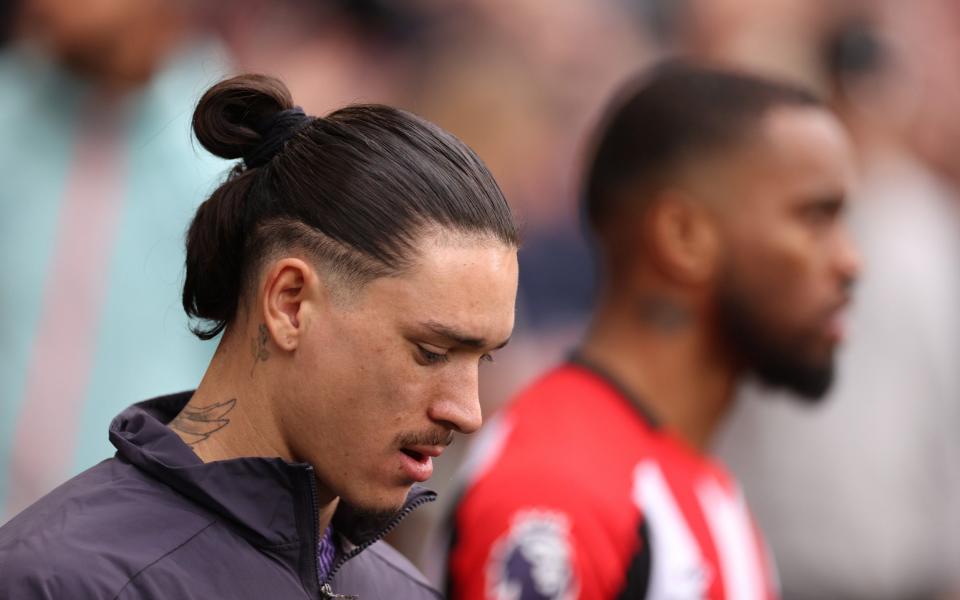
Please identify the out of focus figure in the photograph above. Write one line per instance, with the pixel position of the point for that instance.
(99, 181)
(716, 199)
(859, 498)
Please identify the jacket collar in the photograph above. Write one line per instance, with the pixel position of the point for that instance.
(268, 499)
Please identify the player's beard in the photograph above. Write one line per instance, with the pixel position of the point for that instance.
(369, 518)
(363, 516)
(778, 360)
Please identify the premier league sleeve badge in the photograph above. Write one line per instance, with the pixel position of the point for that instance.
(533, 560)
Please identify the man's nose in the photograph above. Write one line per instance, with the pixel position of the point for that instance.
(459, 408)
(847, 259)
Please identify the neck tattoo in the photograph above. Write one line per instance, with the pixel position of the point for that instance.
(662, 313)
(259, 347)
(197, 424)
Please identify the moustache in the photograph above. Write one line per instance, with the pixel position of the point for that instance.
(433, 437)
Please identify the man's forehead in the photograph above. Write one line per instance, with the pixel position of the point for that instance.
(792, 133)
(467, 296)
(799, 147)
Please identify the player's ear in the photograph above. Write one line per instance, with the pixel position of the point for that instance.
(682, 238)
(290, 289)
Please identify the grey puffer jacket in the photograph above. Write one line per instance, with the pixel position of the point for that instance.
(155, 522)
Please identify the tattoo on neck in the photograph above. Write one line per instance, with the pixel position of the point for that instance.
(196, 424)
(259, 347)
(662, 313)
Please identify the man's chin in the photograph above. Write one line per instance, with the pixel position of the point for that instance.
(380, 506)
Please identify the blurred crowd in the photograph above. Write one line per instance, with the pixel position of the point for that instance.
(859, 497)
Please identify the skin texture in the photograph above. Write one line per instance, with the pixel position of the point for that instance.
(343, 381)
(753, 234)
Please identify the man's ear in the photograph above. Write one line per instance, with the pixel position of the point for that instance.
(683, 238)
(288, 285)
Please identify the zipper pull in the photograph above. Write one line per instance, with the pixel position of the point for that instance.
(326, 592)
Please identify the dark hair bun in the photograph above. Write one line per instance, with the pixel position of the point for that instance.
(231, 117)
(353, 189)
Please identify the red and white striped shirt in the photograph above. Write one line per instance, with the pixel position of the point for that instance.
(580, 495)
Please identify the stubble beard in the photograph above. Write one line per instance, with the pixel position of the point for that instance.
(778, 361)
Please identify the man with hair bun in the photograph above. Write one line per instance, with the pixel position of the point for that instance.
(716, 200)
(360, 268)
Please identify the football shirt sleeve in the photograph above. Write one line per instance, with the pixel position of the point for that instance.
(541, 545)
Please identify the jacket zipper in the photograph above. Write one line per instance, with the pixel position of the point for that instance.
(314, 526)
(389, 527)
(326, 592)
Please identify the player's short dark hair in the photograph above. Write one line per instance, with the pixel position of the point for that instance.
(354, 190)
(675, 113)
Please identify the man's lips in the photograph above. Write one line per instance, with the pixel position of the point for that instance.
(835, 322)
(836, 330)
(423, 452)
(417, 451)
(417, 461)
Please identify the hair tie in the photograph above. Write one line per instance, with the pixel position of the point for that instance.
(274, 133)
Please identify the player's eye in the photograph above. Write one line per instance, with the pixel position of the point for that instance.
(432, 358)
(823, 212)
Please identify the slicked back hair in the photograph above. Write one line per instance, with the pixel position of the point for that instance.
(353, 190)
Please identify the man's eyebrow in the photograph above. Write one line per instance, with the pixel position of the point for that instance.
(461, 338)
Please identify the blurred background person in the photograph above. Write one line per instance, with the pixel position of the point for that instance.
(859, 496)
(99, 181)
